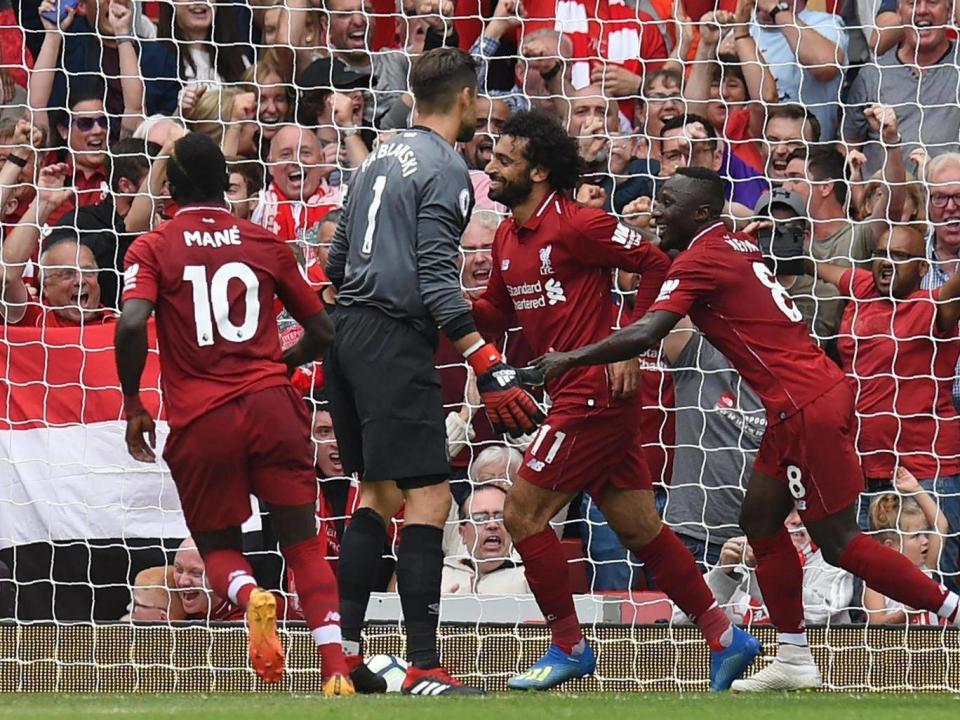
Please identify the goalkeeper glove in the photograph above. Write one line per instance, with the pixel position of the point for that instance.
(510, 409)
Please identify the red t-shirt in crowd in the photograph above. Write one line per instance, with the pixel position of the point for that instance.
(90, 190)
(901, 367)
(722, 283)
(38, 316)
(743, 144)
(213, 278)
(15, 56)
(553, 276)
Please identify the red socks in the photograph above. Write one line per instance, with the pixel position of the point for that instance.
(317, 589)
(676, 572)
(230, 575)
(781, 583)
(892, 574)
(546, 571)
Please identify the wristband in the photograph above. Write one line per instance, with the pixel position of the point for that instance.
(484, 358)
(122, 40)
(552, 72)
(132, 405)
(18, 161)
(473, 348)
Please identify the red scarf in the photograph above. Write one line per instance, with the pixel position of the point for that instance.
(293, 220)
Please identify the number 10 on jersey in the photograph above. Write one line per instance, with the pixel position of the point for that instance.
(211, 303)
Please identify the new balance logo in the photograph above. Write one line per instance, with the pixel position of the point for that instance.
(331, 617)
(555, 292)
(667, 289)
(504, 377)
(130, 276)
(535, 465)
(428, 687)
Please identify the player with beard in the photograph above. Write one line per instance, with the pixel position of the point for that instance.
(552, 270)
(393, 261)
(806, 459)
(237, 426)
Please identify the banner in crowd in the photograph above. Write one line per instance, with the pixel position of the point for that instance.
(64, 468)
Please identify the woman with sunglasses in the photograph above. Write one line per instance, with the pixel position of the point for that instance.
(79, 139)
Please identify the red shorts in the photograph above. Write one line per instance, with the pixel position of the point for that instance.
(813, 453)
(258, 444)
(581, 449)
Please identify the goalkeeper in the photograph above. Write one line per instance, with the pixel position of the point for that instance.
(393, 261)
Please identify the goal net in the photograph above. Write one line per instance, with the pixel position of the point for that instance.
(98, 588)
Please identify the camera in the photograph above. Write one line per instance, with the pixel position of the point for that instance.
(782, 247)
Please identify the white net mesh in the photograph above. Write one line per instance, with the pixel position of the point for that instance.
(853, 108)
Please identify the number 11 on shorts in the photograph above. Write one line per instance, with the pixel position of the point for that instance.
(558, 438)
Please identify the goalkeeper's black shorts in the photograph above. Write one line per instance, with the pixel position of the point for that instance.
(385, 399)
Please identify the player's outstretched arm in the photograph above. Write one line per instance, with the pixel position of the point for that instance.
(317, 337)
(621, 345)
(131, 356)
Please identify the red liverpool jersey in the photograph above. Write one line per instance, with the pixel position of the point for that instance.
(553, 274)
(722, 283)
(213, 278)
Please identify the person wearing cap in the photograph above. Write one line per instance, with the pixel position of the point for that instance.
(899, 344)
(819, 177)
(346, 27)
(783, 232)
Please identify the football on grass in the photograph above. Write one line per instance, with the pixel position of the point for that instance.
(390, 668)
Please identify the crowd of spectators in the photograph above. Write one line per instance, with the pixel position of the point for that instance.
(837, 122)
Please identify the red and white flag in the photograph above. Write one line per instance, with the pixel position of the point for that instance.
(64, 469)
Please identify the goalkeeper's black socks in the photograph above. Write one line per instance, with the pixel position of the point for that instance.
(419, 567)
(360, 552)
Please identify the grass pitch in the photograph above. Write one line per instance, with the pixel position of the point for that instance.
(502, 706)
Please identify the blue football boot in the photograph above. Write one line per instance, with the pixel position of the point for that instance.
(728, 664)
(556, 667)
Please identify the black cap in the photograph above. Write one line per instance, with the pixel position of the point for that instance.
(332, 74)
(782, 198)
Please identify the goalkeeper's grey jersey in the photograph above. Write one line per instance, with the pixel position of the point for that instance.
(398, 240)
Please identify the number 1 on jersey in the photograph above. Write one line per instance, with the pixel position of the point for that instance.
(378, 185)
